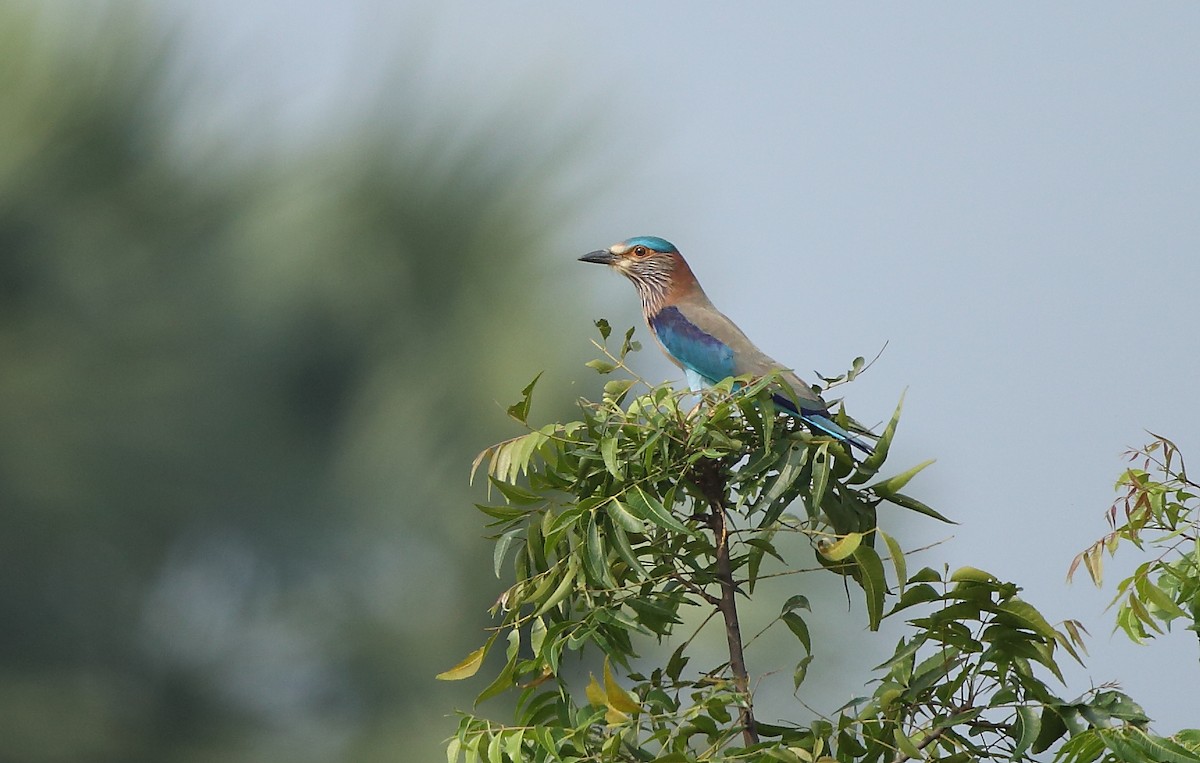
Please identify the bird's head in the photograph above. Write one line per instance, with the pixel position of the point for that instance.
(653, 264)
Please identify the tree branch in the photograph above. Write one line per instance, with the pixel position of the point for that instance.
(712, 484)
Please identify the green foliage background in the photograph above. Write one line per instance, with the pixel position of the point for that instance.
(238, 395)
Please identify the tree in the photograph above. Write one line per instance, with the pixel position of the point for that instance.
(616, 525)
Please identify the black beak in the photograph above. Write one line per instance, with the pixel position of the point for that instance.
(600, 257)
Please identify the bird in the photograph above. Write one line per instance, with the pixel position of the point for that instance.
(699, 338)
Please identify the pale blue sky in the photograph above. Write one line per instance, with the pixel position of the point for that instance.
(1006, 194)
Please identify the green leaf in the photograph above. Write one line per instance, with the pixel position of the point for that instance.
(906, 745)
(618, 698)
(515, 494)
(893, 485)
(1160, 600)
(801, 671)
(971, 575)
(842, 547)
(520, 409)
(504, 513)
(796, 625)
(616, 389)
(921, 593)
(493, 753)
(1052, 729)
(467, 668)
(799, 601)
(1028, 617)
(647, 507)
(629, 345)
(780, 490)
(1029, 726)
(870, 465)
(678, 661)
(873, 582)
(503, 682)
(624, 517)
(600, 366)
(1135, 744)
(620, 542)
(513, 745)
(608, 451)
(565, 586)
(537, 635)
(605, 329)
(897, 555)
(820, 475)
(912, 504)
(925, 575)
(595, 693)
(596, 559)
(501, 550)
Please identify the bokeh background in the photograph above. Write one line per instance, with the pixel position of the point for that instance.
(270, 271)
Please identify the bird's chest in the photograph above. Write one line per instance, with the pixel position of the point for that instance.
(701, 355)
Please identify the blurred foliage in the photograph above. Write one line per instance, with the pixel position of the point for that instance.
(235, 392)
(619, 523)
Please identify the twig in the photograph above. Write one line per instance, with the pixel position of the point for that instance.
(934, 735)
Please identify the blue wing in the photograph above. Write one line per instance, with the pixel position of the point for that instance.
(703, 355)
(692, 348)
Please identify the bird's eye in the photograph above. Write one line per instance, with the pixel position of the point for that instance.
(639, 251)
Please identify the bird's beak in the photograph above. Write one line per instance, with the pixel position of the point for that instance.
(600, 257)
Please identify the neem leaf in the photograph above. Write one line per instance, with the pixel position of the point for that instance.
(797, 626)
(971, 575)
(608, 451)
(912, 504)
(898, 560)
(893, 485)
(873, 582)
(465, 669)
(870, 465)
(649, 508)
(595, 693)
(502, 544)
(618, 698)
(624, 517)
(1030, 726)
(520, 409)
(842, 547)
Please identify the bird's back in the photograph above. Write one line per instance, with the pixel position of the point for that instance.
(744, 357)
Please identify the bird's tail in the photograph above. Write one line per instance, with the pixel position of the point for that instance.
(820, 421)
(828, 426)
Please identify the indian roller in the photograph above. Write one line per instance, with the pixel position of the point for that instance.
(698, 338)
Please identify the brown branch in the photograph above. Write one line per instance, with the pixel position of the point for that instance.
(712, 484)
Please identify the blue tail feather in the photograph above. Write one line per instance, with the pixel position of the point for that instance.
(820, 421)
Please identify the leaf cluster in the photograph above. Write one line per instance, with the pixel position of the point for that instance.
(1158, 511)
(615, 526)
